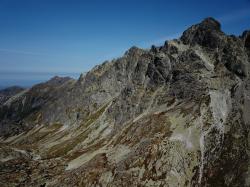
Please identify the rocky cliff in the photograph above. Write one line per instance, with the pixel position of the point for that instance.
(6, 93)
(174, 115)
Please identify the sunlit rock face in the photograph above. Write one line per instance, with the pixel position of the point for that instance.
(174, 115)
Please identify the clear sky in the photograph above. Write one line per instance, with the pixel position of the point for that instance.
(41, 38)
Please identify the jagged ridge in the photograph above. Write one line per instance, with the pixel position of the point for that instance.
(175, 115)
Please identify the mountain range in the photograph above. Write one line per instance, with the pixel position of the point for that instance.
(173, 115)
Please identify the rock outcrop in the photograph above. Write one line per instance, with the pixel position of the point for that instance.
(174, 115)
(6, 93)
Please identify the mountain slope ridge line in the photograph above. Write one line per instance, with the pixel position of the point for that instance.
(173, 115)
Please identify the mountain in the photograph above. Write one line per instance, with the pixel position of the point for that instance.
(174, 115)
(6, 93)
(18, 112)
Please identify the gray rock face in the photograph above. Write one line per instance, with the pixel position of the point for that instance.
(207, 34)
(6, 93)
(246, 39)
(175, 115)
(27, 104)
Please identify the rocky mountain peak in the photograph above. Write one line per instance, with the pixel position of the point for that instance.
(134, 51)
(207, 33)
(173, 115)
(210, 24)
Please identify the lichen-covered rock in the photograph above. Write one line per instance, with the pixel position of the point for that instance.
(175, 115)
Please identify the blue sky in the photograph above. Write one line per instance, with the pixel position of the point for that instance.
(66, 37)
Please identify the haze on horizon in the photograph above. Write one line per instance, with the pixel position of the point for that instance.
(43, 38)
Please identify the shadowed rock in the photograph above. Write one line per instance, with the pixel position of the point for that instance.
(207, 33)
